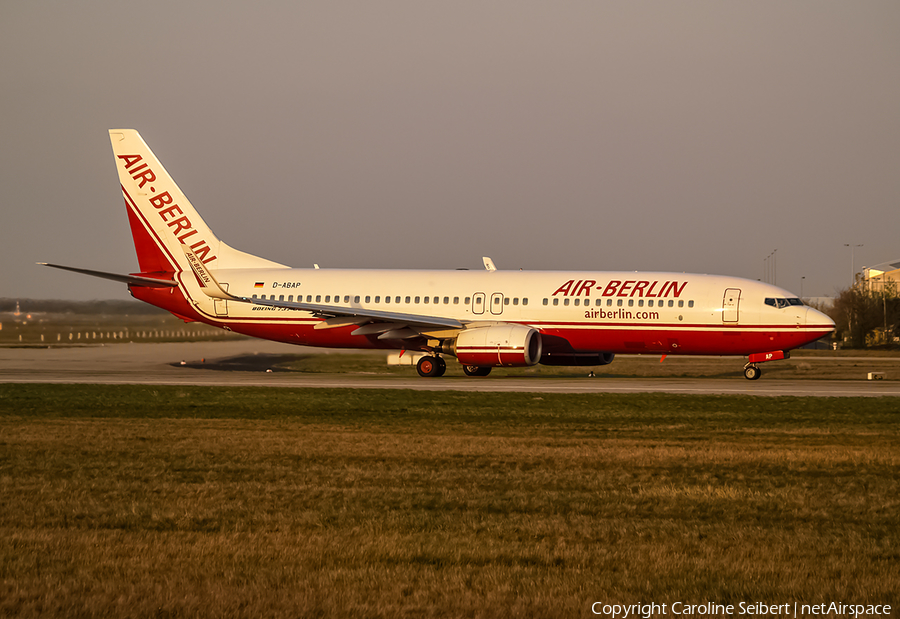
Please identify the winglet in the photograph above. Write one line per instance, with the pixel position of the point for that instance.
(207, 282)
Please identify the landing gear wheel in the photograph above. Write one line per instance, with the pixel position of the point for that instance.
(476, 370)
(428, 367)
(751, 372)
(442, 366)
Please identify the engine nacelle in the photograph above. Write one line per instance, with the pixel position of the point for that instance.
(566, 358)
(506, 345)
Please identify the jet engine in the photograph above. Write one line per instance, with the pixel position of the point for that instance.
(503, 345)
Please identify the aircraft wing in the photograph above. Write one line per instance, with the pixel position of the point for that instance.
(391, 325)
(336, 311)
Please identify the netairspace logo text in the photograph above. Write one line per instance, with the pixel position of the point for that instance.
(713, 609)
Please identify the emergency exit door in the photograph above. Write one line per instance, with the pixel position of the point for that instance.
(478, 303)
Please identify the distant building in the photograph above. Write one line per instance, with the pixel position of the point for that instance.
(884, 277)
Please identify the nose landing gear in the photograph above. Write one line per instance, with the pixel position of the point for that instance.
(752, 371)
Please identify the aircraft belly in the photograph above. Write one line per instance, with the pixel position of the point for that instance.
(697, 340)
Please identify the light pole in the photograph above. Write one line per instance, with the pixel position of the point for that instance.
(771, 270)
(773, 267)
(852, 263)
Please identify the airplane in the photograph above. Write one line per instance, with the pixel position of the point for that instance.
(484, 318)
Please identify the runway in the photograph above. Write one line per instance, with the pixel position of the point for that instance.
(152, 364)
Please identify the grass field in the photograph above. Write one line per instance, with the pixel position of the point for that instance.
(243, 502)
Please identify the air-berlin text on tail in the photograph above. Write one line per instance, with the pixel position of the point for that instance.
(618, 288)
(181, 226)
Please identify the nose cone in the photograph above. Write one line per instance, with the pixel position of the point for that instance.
(818, 320)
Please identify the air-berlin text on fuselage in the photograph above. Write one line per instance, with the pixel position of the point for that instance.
(181, 226)
(618, 288)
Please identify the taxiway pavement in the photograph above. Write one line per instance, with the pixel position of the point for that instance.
(158, 364)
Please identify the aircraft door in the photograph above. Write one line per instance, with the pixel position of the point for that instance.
(497, 303)
(731, 304)
(478, 303)
(222, 304)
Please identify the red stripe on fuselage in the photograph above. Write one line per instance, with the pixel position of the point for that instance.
(697, 339)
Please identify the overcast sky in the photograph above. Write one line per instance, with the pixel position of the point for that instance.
(596, 135)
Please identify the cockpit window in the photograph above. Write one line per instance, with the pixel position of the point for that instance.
(782, 303)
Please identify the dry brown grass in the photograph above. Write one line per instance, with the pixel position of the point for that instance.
(442, 514)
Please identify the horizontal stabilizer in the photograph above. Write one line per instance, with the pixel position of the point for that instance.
(131, 280)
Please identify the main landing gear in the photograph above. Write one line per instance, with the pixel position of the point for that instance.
(476, 370)
(431, 367)
(752, 372)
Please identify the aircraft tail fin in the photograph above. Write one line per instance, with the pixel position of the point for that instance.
(162, 218)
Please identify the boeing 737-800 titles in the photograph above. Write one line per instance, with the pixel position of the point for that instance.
(483, 318)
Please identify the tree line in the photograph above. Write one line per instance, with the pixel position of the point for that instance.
(867, 314)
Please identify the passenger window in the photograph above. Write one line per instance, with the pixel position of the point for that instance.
(545, 301)
(397, 299)
(356, 299)
(309, 298)
(347, 299)
(291, 298)
(640, 303)
(496, 300)
(671, 303)
(377, 299)
(318, 298)
(456, 301)
(516, 301)
(577, 301)
(368, 299)
(506, 301)
(254, 296)
(690, 304)
(327, 298)
(555, 301)
(467, 300)
(630, 302)
(619, 302)
(407, 299)
(386, 299)
(680, 303)
(438, 300)
(525, 301)
(565, 301)
(426, 299)
(650, 303)
(446, 300)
